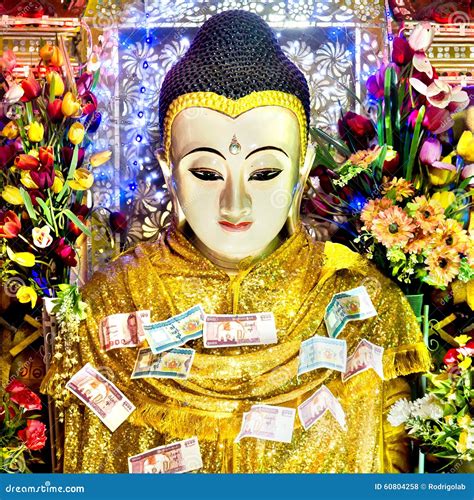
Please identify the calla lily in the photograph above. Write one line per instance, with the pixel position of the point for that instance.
(76, 133)
(465, 147)
(35, 132)
(444, 198)
(468, 172)
(11, 130)
(430, 151)
(422, 36)
(14, 94)
(27, 294)
(12, 195)
(83, 180)
(441, 94)
(53, 76)
(25, 259)
(100, 158)
(70, 106)
(41, 236)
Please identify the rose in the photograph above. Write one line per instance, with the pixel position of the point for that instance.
(34, 435)
(22, 396)
(356, 130)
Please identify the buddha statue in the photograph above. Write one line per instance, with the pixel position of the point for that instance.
(234, 116)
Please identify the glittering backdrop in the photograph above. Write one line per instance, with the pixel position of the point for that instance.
(335, 43)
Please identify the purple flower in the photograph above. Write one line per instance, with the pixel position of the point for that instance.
(430, 151)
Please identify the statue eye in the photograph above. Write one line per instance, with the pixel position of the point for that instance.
(265, 174)
(206, 174)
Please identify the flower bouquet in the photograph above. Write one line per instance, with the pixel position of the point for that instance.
(399, 185)
(20, 431)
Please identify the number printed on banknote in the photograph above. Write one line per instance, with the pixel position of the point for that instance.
(272, 423)
(227, 330)
(101, 396)
(322, 352)
(176, 331)
(365, 356)
(174, 458)
(313, 408)
(123, 330)
(170, 364)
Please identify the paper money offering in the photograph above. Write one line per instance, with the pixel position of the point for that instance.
(272, 423)
(348, 306)
(176, 331)
(227, 330)
(171, 364)
(322, 352)
(175, 458)
(365, 356)
(323, 400)
(101, 396)
(123, 330)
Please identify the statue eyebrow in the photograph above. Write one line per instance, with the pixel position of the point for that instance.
(209, 150)
(264, 148)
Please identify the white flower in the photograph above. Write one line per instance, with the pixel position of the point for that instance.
(400, 412)
(441, 95)
(14, 94)
(422, 36)
(427, 407)
(41, 236)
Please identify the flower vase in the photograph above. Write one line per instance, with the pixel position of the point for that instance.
(416, 303)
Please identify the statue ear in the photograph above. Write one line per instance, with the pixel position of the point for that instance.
(294, 213)
(166, 168)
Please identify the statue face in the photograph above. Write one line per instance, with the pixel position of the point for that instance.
(234, 178)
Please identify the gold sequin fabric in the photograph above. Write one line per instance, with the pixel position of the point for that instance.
(296, 283)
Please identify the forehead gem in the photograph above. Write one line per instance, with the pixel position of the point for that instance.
(234, 147)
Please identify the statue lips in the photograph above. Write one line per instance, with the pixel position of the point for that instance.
(241, 226)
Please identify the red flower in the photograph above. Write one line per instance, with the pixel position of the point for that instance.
(73, 228)
(66, 153)
(89, 103)
(65, 252)
(10, 224)
(84, 82)
(451, 357)
(43, 177)
(7, 154)
(26, 162)
(54, 111)
(34, 435)
(46, 156)
(402, 52)
(22, 396)
(437, 120)
(31, 88)
(356, 130)
(118, 222)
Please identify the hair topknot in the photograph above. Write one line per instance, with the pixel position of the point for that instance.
(233, 54)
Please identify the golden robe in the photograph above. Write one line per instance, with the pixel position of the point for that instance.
(296, 283)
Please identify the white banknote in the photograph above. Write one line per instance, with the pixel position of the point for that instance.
(101, 396)
(227, 330)
(323, 400)
(322, 352)
(365, 356)
(175, 363)
(272, 423)
(174, 458)
(348, 306)
(123, 330)
(175, 331)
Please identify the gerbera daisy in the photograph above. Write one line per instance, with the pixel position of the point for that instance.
(420, 242)
(393, 227)
(443, 265)
(451, 234)
(372, 209)
(365, 157)
(397, 189)
(427, 213)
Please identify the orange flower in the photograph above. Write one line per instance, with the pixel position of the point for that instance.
(420, 242)
(372, 209)
(397, 189)
(451, 234)
(393, 227)
(365, 157)
(427, 213)
(443, 265)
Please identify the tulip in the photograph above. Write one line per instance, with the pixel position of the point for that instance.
(46, 156)
(53, 76)
(12, 195)
(391, 161)
(46, 52)
(376, 83)
(27, 294)
(83, 180)
(89, 103)
(43, 177)
(465, 147)
(356, 130)
(437, 120)
(31, 88)
(84, 82)
(402, 52)
(118, 222)
(11, 130)
(66, 154)
(65, 252)
(54, 111)
(443, 172)
(25, 259)
(58, 182)
(92, 122)
(57, 58)
(41, 236)
(430, 151)
(35, 132)
(75, 230)
(422, 36)
(444, 198)
(35, 194)
(76, 133)
(14, 94)
(27, 181)
(70, 105)
(468, 173)
(26, 162)
(98, 159)
(10, 224)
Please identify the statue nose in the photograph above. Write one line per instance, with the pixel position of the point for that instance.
(235, 203)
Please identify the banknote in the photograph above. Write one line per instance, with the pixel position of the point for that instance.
(227, 330)
(348, 306)
(175, 363)
(176, 331)
(323, 400)
(174, 458)
(365, 356)
(272, 423)
(101, 396)
(322, 352)
(123, 330)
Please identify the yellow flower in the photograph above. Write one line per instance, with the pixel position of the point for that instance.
(83, 180)
(100, 158)
(27, 294)
(76, 133)
(35, 132)
(11, 130)
(53, 76)
(461, 447)
(466, 146)
(12, 195)
(444, 198)
(58, 182)
(464, 421)
(27, 181)
(462, 339)
(465, 363)
(26, 259)
(70, 105)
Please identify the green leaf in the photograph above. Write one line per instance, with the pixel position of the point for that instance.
(51, 89)
(339, 145)
(414, 144)
(46, 211)
(28, 204)
(77, 221)
(386, 111)
(70, 175)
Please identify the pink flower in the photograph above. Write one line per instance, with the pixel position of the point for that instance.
(65, 252)
(402, 52)
(34, 435)
(8, 61)
(468, 172)
(422, 36)
(430, 151)
(437, 120)
(22, 396)
(441, 95)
